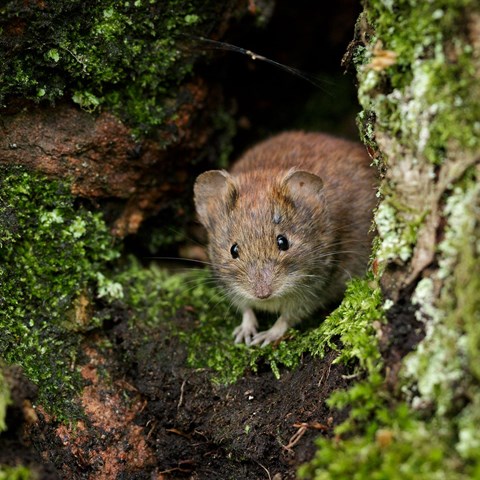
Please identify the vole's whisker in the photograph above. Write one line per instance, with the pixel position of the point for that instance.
(315, 80)
(180, 259)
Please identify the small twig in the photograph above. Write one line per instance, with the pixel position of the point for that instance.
(182, 390)
(178, 432)
(325, 374)
(154, 424)
(180, 467)
(313, 426)
(295, 438)
(143, 406)
(266, 469)
(175, 469)
(302, 428)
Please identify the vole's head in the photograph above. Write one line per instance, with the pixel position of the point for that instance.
(263, 232)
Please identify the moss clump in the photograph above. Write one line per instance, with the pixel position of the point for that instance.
(155, 296)
(51, 258)
(122, 55)
(401, 449)
(16, 473)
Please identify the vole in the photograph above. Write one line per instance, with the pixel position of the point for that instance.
(288, 226)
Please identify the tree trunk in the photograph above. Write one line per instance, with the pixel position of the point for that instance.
(418, 68)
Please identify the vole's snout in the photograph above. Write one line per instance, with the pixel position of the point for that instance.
(261, 280)
(263, 291)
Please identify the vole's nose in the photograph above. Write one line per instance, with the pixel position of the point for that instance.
(262, 280)
(262, 291)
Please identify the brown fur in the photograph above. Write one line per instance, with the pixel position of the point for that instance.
(316, 190)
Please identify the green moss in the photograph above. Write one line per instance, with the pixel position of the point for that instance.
(402, 451)
(16, 473)
(121, 55)
(52, 255)
(154, 295)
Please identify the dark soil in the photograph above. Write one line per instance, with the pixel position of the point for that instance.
(199, 430)
(147, 416)
(400, 335)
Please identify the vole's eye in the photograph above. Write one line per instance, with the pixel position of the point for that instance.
(234, 251)
(282, 242)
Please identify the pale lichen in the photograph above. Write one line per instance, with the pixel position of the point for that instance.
(397, 240)
(441, 359)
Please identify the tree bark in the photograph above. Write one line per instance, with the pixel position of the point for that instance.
(418, 67)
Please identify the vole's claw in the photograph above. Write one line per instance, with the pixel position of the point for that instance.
(247, 329)
(242, 334)
(273, 334)
(263, 339)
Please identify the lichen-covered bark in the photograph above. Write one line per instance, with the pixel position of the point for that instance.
(418, 66)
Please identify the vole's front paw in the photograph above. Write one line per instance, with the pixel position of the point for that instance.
(271, 335)
(244, 334)
(247, 329)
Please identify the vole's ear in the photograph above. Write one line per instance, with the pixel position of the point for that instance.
(303, 185)
(214, 192)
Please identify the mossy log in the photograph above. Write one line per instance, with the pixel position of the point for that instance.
(101, 94)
